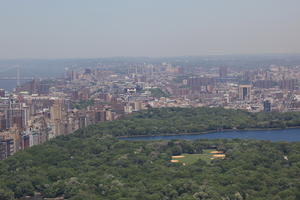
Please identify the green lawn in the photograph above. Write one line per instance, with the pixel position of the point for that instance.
(192, 158)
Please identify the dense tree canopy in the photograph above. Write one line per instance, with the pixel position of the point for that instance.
(192, 120)
(93, 164)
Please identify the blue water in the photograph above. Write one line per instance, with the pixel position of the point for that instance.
(9, 85)
(288, 135)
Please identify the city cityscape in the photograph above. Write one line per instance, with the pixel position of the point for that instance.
(41, 109)
(150, 100)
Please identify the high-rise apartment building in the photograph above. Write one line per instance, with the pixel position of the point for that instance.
(245, 92)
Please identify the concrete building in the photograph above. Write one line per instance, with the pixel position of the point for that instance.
(267, 106)
(245, 92)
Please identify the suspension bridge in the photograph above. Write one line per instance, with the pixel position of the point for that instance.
(18, 77)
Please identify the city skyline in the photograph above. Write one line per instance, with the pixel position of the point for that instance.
(151, 100)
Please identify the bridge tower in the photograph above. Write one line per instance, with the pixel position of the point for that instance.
(18, 76)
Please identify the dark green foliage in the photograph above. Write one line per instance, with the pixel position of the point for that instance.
(158, 93)
(142, 170)
(192, 120)
(92, 164)
(83, 104)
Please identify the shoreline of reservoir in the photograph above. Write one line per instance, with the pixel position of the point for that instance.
(223, 134)
(212, 131)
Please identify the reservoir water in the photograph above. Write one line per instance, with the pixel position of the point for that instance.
(288, 135)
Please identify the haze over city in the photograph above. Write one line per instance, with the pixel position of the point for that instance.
(97, 28)
(149, 100)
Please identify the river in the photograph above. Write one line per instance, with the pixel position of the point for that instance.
(287, 135)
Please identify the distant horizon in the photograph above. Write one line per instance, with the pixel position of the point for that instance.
(152, 57)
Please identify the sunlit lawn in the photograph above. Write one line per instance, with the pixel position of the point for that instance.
(189, 159)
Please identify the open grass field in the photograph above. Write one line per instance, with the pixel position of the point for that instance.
(192, 158)
(207, 156)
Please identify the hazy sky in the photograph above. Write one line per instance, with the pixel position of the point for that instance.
(104, 28)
